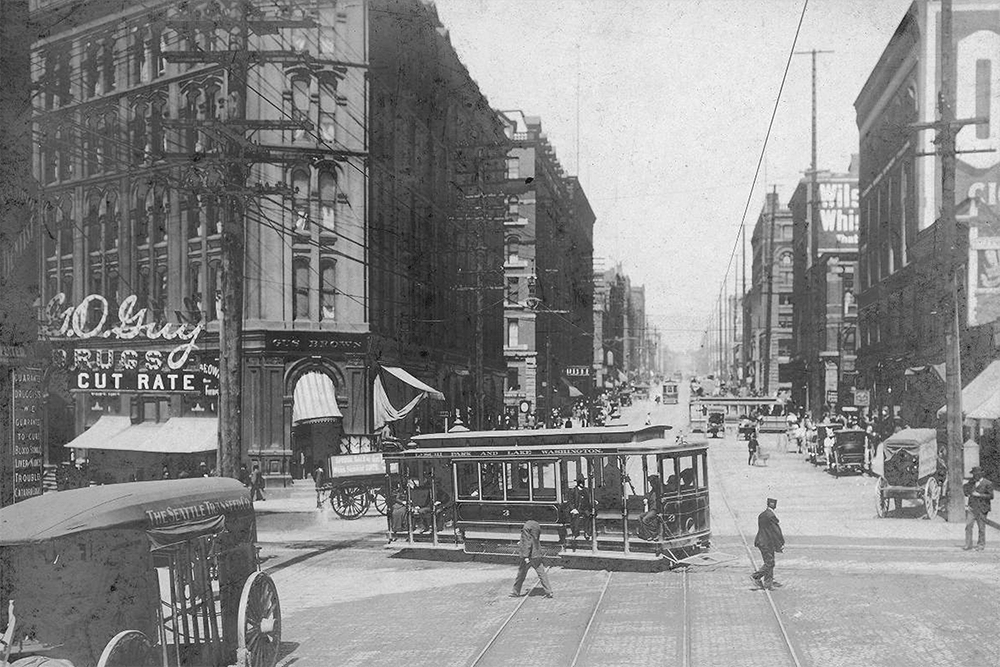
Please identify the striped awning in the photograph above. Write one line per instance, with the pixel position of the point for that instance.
(315, 399)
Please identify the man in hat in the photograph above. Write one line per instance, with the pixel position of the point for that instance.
(578, 501)
(530, 549)
(769, 540)
(980, 493)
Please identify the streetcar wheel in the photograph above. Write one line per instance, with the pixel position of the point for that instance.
(350, 501)
(882, 501)
(129, 648)
(932, 497)
(378, 500)
(258, 633)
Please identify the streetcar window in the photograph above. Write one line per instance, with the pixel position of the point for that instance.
(703, 477)
(687, 474)
(671, 484)
(492, 481)
(518, 485)
(543, 481)
(468, 480)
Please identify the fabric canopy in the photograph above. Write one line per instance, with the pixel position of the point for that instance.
(414, 382)
(315, 399)
(178, 435)
(106, 428)
(384, 410)
(573, 391)
(981, 393)
(937, 368)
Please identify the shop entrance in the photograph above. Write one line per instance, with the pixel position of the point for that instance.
(317, 424)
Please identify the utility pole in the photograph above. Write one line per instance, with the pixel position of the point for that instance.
(769, 306)
(947, 127)
(235, 170)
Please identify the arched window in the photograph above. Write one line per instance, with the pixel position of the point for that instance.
(109, 215)
(140, 223)
(92, 222)
(327, 289)
(300, 189)
(328, 198)
(513, 249)
(328, 109)
(66, 227)
(300, 288)
(300, 103)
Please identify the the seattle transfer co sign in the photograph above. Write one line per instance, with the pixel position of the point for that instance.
(93, 368)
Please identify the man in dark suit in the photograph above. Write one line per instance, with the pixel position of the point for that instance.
(769, 540)
(530, 549)
(578, 504)
(980, 493)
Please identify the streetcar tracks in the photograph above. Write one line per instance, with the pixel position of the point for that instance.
(590, 621)
(753, 562)
(503, 625)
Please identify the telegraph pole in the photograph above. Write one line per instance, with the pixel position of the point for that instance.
(946, 129)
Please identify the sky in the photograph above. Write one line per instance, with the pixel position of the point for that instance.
(672, 99)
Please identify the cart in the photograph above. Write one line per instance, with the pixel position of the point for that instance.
(357, 483)
(716, 424)
(908, 468)
(817, 448)
(747, 429)
(132, 575)
(849, 451)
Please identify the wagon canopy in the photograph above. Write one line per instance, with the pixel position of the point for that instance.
(132, 505)
(920, 442)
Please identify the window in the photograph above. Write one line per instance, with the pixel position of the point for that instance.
(212, 299)
(513, 249)
(513, 208)
(512, 333)
(785, 299)
(513, 168)
(327, 289)
(159, 300)
(543, 481)
(467, 475)
(328, 199)
(518, 480)
(300, 288)
(513, 379)
(328, 109)
(300, 189)
(300, 103)
(784, 347)
(687, 474)
(512, 290)
(492, 485)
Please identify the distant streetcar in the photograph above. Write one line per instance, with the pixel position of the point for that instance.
(640, 496)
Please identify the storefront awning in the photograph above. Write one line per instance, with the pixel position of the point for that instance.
(937, 368)
(178, 435)
(315, 399)
(103, 430)
(400, 374)
(981, 394)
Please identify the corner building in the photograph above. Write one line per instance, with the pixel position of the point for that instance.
(134, 128)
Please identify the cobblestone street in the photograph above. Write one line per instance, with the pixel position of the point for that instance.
(858, 590)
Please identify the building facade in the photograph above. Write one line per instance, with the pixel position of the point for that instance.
(902, 296)
(768, 305)
(348, 218)
(548, 290)
(825, 241)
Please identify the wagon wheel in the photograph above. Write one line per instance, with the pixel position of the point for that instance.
(129, 648)
(932, 497)
(258, 633)
(350, 501)
(378, 499)
(882, 503)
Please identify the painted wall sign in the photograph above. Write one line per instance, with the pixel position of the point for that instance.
(26, 421)
(838, 216)
(89, 320)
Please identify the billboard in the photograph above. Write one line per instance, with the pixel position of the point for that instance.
(27, 403)
(837, 230)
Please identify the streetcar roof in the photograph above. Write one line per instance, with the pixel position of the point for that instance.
(657, 446)
(550, 436)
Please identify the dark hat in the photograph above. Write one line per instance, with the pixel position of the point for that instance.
(772, 500)
(977, 471)
(580, 479)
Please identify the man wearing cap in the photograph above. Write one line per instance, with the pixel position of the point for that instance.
(980, 493)
(769, 540)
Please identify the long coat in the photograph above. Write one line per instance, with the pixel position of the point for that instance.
(769, 537)
(531, 546)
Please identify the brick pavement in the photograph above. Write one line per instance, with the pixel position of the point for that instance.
(859, 591)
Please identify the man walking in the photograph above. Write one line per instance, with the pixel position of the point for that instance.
(769, 540)
(980, 493)
(531, 556)
(256, 484)
(752, 447)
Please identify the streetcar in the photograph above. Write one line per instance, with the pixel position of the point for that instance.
(644, 495)
(770, 411)
(670, 393)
